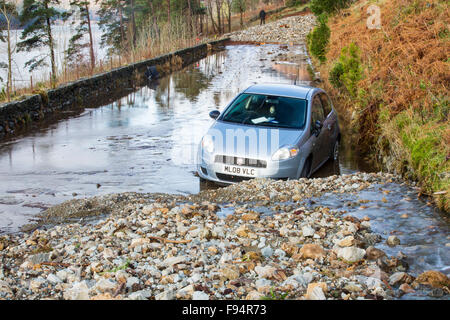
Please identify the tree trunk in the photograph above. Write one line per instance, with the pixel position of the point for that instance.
(122, 35)
(155, 21)
(9, 80)
(191, 28)
(214, 25)
(91, 40)
(52, 49)
(168, 15)
(223, 18)
(219, 24)
(229, 16)
(133, 24)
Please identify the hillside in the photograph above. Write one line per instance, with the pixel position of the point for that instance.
(399, 109)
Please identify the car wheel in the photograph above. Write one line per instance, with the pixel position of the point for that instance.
(306, 169)
(335, 155)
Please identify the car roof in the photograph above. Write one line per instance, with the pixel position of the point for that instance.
(287, 90)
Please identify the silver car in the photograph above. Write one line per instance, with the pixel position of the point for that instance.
(274, 131)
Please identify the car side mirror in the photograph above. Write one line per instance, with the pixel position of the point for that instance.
(214, 114)
(317, 127)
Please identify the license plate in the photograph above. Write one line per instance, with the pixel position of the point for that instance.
(239, 171)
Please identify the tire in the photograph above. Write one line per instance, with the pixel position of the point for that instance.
(306, 169)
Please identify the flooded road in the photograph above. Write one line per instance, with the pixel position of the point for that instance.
(147, 142)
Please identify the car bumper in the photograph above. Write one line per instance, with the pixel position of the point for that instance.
(210, 170)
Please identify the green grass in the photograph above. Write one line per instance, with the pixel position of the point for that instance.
(414, 7)
(122, 267)
(424, 141)
(275, 295)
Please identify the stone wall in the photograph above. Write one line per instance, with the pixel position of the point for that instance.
(94, 91)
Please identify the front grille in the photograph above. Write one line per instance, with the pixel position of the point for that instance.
(248, 162)
(230, 178)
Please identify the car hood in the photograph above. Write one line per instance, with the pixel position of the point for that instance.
(248, 141)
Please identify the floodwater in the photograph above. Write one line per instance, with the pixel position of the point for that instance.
(423, 232)
(147, 142)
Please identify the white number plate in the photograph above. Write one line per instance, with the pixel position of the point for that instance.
(239, 171)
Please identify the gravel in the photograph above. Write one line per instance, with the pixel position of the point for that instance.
(290, 30)
(181, 247)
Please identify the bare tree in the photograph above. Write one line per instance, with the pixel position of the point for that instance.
(229, 3)
(219, 4)
(7, 10)
(168, 14)
(240, 6)
(211, 14)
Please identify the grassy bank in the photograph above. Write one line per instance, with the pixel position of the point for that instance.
(393, 83)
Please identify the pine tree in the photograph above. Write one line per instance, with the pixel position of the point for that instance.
(39, 15)
(114, 24)
(77, 43)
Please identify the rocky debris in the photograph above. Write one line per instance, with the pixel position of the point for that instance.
(437, 293)
(307, 231)
(200, 295)
(316, 291)
(400, 278)
(434, 279)
(351, 254)
(259, 190)
(288, 30)
(374, 253)
(393, 241)
(406, 288)
(166, 247)
(312, 251)
(347, 242)
(78, 291)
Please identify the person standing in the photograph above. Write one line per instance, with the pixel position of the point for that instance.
(262, 16)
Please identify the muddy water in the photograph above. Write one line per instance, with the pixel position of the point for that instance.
(147, 142)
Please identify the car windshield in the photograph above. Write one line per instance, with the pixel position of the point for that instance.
(267, 110)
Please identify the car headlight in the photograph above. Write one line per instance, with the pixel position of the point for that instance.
(208, 144)
(285, 153)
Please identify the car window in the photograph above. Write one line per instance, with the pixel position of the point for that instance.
(316, 110)
(326, 104)
(267, 110)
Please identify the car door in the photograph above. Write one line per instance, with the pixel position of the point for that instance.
(329, 123)
(319, 154)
